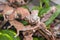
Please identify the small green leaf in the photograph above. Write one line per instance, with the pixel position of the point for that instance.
(25, 6)
(24, 22)
(35, 38)
(43, 11)
(47, 3)
(35, 8)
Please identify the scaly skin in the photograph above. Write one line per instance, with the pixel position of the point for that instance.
(23, 12)
(20, 2)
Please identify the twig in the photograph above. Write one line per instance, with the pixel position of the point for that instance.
(44, 35)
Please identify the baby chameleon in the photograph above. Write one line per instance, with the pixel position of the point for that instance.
(19, 26)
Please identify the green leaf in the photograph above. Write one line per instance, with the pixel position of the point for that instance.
(43, 11)
(35, 38)
(47, 3)
(9, 35)
(24, 22)
(41, 38)
(53, 16)
(38, 38)
(41, 3)
(25, 6)
(4, 37)
(35, 8)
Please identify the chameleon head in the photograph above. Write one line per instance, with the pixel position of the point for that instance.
(33, 18)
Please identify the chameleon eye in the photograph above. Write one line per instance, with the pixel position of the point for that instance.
(25, 0)
(21, 1)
